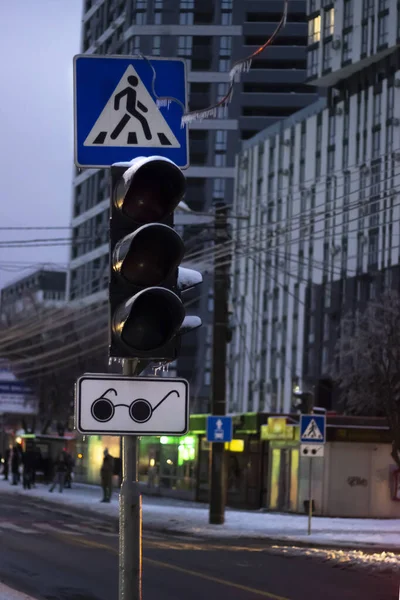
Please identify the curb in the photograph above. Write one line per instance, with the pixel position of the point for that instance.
(267, 541)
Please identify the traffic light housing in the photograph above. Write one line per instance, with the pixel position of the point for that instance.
(304, 402)
(147, 315)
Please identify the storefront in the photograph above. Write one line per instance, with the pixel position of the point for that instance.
(281, 444)
(167, 465)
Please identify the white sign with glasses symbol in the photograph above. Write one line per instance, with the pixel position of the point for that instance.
(119, 405)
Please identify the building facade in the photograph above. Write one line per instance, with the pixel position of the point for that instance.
(41, 289)
(209, 35)
(320, 191)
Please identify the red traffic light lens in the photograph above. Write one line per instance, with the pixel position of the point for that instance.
(151, 191)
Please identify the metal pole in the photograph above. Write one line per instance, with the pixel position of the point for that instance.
(130, 514)
(220, 326)
(310, 496)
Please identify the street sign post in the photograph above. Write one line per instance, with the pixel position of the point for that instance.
(120, 405)
(312, 439)
(116, 113)
(219, 429)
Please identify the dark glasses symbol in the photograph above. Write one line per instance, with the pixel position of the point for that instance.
(140, 410)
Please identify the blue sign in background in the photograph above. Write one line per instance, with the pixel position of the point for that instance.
(219, 429)
(95, 79)
(320, 422)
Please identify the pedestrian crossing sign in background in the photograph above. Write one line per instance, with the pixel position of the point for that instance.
(116, 114)
(312, 429)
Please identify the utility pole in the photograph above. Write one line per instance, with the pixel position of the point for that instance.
(130, 512)
(220, 333)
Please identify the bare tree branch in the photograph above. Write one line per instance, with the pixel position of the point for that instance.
(368, 355)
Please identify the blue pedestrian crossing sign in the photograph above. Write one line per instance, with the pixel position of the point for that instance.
(117, 116)
(312, 429)
(219, 429)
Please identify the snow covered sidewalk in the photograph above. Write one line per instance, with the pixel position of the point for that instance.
(7, 593)
(179, 517)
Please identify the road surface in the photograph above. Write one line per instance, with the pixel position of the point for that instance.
(57, 557)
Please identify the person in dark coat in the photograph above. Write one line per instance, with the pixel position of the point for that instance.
(28, 462)
(106, 474)
(60, 471)
(6, 464)
(15, 464)
(70, 467)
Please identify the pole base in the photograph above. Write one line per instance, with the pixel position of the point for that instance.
(216, 520)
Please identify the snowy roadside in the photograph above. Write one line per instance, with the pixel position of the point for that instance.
(7, 593)
(179, 517)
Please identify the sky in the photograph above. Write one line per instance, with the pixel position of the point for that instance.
(37, 43)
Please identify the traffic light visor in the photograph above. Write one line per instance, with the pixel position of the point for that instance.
(150, 190)
(149, 319)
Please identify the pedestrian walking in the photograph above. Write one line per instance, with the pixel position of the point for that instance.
(28, 462)
(60, 471)
(6, 464)
(106, 474)
(70, 467)
(15, 465)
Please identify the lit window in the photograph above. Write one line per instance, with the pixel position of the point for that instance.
(314, 30)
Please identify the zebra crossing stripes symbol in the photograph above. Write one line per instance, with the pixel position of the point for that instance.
(131, 118)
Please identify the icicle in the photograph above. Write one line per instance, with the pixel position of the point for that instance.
(238, 68)
(198, 115)
(163, 102)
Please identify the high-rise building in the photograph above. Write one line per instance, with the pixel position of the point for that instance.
(209, 35)
(321, 193)
(28, 295)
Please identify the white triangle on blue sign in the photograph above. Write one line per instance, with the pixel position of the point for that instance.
(312, 431)
(131, 118)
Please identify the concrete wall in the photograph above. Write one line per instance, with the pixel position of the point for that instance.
(352, 480)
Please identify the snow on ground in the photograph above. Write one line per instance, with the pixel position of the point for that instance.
(358, 542)
(367, 537)
(7, 593)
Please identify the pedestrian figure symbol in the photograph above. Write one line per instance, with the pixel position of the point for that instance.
(131, 118)
(133, 106)
(312, 431)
